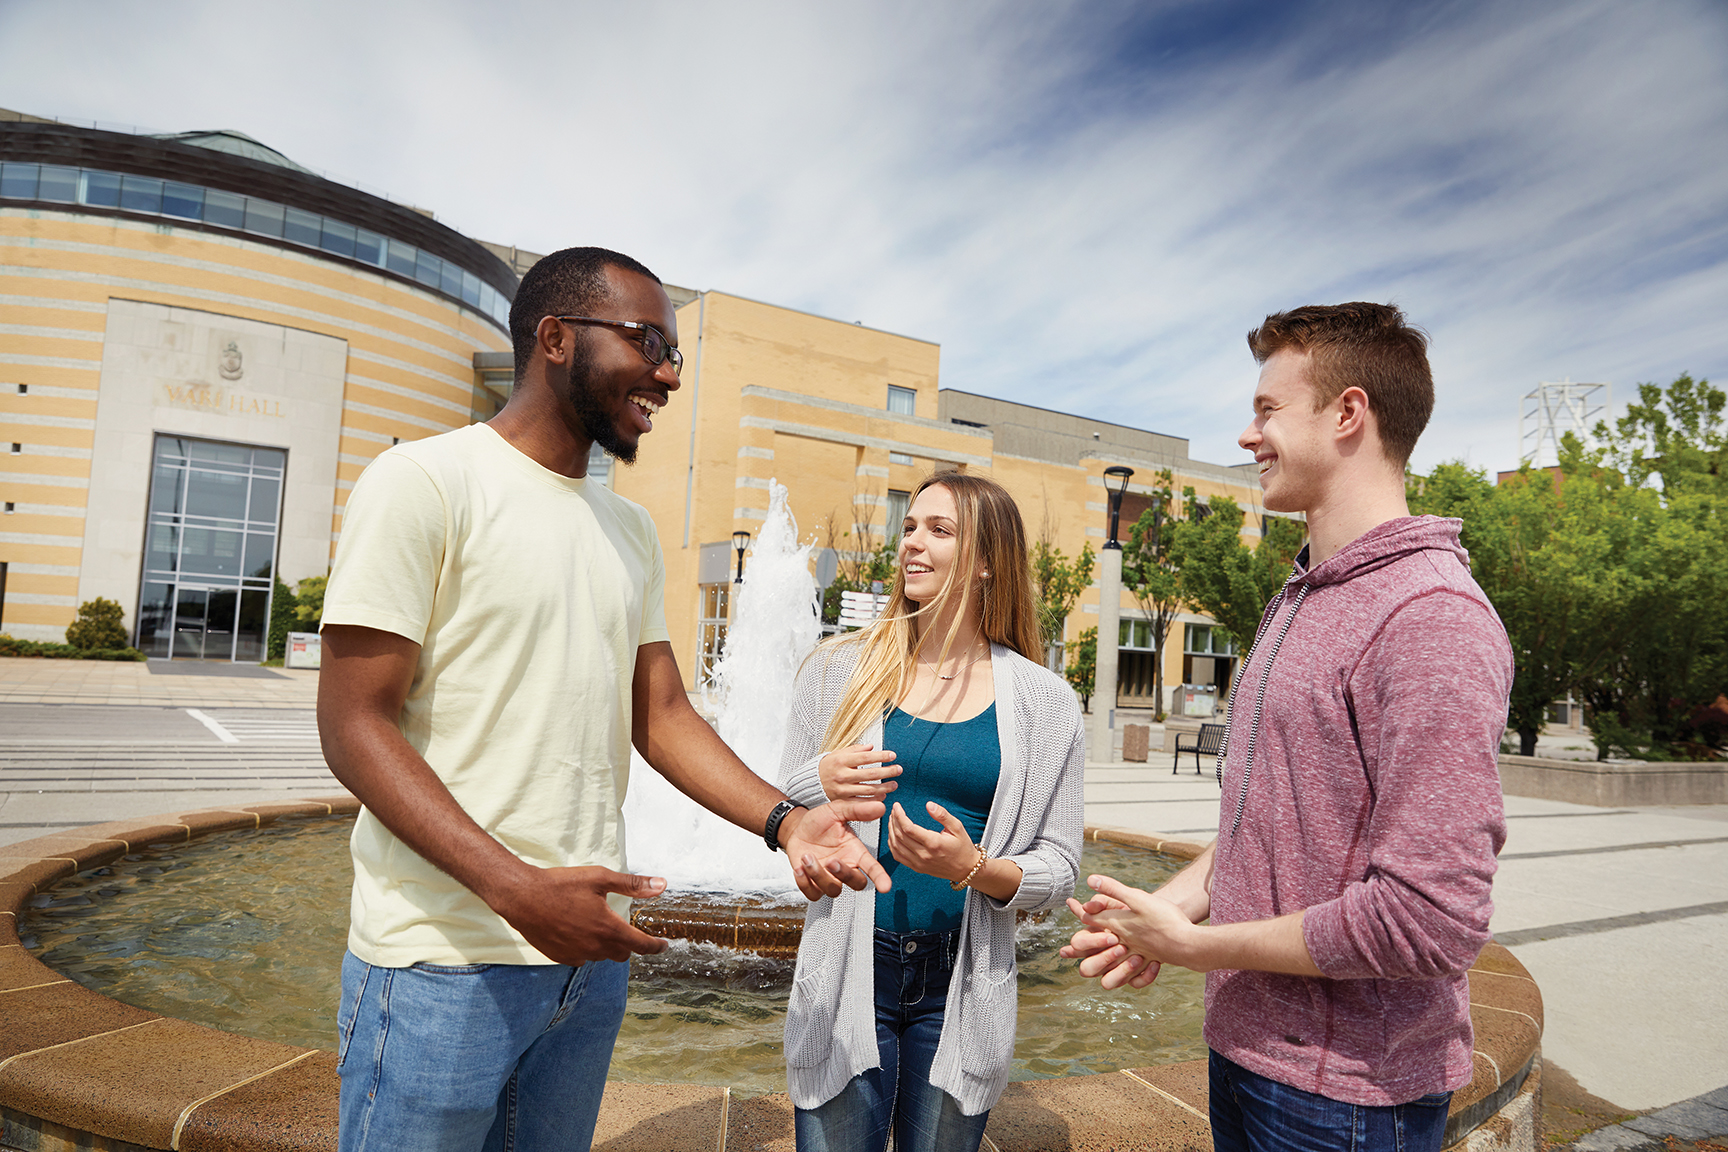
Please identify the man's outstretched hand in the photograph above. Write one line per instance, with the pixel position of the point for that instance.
(825, 855)
(563, 912)
(1128, 933)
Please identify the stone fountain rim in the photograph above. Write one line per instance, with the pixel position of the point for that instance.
(65, 1049)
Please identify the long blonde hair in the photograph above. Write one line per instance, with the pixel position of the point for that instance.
(992, 537)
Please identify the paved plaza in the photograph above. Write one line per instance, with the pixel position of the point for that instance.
(1620, 914)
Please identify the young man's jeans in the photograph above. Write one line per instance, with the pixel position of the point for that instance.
(494, 1057)
(912, 973)
(1253, 1114)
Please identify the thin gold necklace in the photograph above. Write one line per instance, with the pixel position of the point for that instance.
(968, 664)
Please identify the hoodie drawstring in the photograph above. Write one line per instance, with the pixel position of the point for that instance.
(1259, 705)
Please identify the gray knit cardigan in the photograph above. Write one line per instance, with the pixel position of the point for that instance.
(1035, 820)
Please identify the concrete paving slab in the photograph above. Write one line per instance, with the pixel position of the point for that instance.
(1689, 1120)
(1578, 831)
(1615, 1138)
(25, 816)
(1637, 881)
(1635, 1014)
(28, 723)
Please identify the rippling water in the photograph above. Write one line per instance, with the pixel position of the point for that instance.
(245, 931)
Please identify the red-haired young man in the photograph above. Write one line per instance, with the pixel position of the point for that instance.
(1348, 891)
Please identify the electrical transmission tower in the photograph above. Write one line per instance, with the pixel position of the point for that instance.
(1549, 411)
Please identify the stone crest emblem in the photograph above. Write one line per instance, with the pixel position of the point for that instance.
(230, 364)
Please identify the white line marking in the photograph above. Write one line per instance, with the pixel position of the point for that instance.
(222, 733)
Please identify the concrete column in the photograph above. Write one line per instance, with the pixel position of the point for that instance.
(1109, 627)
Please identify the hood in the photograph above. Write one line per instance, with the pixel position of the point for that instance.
(1384, 544)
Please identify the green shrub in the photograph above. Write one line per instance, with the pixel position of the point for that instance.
(35, 650)
(98, 626)
(309, 603)
(282, 620)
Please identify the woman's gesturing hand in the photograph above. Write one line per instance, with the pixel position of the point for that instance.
(858, 773)
(947, 855)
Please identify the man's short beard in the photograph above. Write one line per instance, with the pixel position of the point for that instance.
(594, 422)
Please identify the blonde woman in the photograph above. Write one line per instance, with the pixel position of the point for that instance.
(903, 1004)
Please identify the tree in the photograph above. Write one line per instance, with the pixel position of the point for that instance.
(1060, 582)
(1539, 560)
(309, 603)
(1150, 574)
(1663, 469)
(857, 570)
(1082, 667)
(98, 626)
(1610, 571)
(1222, 577)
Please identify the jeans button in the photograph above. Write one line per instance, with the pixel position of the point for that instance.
(911, 947)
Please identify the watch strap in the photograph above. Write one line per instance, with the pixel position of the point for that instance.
(771, 832)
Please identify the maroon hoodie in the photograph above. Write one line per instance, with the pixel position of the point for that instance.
(1361, 784)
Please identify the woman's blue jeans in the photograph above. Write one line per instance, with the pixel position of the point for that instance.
(912, 974)
(1251, 1113)
(472, 1057)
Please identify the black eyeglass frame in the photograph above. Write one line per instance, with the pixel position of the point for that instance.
(667, 351)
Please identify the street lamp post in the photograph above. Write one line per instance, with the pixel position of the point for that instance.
(1109, 622)
(740, 541)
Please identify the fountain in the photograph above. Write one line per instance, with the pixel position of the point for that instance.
(773, 627)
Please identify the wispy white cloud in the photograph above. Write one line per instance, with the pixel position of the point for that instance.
(1077, 203)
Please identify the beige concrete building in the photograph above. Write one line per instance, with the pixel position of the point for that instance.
(203, 344)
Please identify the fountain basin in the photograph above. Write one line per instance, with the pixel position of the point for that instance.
(78, 1070)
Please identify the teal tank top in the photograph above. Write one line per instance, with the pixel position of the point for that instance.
(956, 765)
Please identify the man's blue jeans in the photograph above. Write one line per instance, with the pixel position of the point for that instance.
(912, 974)
(1253, 1114)
(493, 1057)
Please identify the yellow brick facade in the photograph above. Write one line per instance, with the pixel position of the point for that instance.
(409, 369)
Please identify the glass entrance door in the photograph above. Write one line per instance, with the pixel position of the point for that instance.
(204, 624)
(189, 609)
(210, 550)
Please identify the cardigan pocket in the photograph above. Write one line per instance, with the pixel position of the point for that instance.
(810, 1015)
(987, 1040)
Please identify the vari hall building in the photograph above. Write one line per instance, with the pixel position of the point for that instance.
(203, 344)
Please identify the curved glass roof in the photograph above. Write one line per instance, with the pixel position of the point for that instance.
(235, 144)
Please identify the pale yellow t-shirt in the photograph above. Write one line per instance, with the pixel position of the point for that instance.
(529, 594)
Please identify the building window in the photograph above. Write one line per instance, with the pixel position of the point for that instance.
(23, 388)
(898, 503)
(10, 507)
(899, 458)
(17, 448)
(210, 549)
(711, 631)
(1207, 640)
(1208, 659)
(1136, 635)
(903, 401)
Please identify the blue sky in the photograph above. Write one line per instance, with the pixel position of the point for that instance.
(1086, 205)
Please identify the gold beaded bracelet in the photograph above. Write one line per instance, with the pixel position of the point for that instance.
(959, 884)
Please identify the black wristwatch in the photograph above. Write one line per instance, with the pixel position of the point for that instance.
(771, 834)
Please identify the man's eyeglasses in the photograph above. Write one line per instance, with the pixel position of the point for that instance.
(655, 348)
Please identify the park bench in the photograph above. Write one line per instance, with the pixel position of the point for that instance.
(1209, 741)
